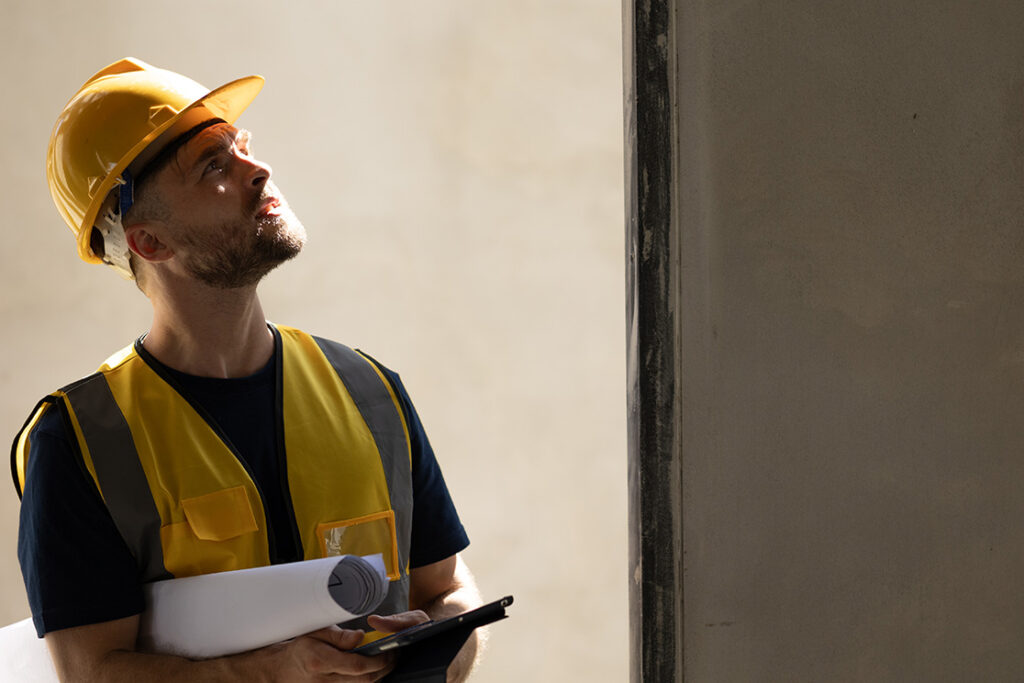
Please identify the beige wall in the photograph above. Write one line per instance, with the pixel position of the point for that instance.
(459, 168)
(852, 213)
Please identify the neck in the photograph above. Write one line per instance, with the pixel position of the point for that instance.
(210, 332)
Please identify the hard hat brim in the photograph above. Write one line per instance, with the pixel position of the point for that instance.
(226, 102)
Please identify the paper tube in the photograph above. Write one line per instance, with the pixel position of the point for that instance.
(220, 614)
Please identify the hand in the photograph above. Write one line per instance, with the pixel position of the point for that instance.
(323, 656)
(397, 622)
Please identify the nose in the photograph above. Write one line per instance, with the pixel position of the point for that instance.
(257, 172)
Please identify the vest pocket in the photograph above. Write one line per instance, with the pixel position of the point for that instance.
(211, 539)
(220, 515)
(366, 535)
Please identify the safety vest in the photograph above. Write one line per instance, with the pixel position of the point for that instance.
(186, 504)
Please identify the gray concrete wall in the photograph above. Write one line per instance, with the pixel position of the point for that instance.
(458, 166)
(851, 217)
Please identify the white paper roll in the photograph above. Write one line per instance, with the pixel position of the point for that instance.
(24, 656)
(220, 614)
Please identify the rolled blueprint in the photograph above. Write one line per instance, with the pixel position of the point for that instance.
(24, 656)
(220, 614)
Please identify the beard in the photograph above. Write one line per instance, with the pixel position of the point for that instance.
(243, 252)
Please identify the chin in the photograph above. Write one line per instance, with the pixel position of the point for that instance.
(284, 230)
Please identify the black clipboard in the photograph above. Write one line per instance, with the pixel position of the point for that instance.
(465, 622)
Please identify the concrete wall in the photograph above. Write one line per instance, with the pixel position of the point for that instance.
(851, 213)
(458, 166)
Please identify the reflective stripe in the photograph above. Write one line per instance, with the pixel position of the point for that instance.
(119, 473)
(382, 417)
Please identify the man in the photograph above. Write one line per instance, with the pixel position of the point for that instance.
(217, 441)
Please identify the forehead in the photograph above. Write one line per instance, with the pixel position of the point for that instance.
(216, 136)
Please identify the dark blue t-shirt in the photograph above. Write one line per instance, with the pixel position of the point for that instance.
(76, 566)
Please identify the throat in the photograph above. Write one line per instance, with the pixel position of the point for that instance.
(211, 347)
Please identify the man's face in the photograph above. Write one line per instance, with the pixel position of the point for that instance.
(229, 225)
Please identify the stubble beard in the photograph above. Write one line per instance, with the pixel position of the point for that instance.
(242, 256)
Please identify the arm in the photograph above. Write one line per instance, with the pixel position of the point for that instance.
(443, 589)
(105, 652)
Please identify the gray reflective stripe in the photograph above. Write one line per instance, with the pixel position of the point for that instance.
(120, 474)
(398, 597)
(380, 413)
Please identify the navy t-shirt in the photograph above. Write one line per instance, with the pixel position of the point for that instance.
(77, 568)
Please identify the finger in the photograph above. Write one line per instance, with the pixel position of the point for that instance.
(397, 622)
(341, 638)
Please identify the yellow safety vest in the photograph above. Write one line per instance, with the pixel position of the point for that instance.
(186, 505)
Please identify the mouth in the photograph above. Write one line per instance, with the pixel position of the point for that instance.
(268, 207)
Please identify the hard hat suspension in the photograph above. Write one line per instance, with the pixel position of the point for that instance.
(115, 244)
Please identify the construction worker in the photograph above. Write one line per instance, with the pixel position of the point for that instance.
(216, 441)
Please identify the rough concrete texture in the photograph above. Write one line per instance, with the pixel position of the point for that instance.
(459, 168)
(852, 211)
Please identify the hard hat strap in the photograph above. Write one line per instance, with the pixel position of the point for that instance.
(126, 193)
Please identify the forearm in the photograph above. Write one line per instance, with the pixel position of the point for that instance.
(127, 666)
(462, 596)
(104, 653)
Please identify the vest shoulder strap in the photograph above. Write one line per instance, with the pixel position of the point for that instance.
(102, 429)
(378, 404)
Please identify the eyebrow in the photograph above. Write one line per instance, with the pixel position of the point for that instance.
(213, 145)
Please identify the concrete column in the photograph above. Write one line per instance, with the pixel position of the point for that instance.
(826, 210)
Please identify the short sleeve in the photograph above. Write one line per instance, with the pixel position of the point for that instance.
(77, 568)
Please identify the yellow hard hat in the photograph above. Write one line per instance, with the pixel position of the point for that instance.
(111, 124)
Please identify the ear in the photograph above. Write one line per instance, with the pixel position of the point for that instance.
(145, 244)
